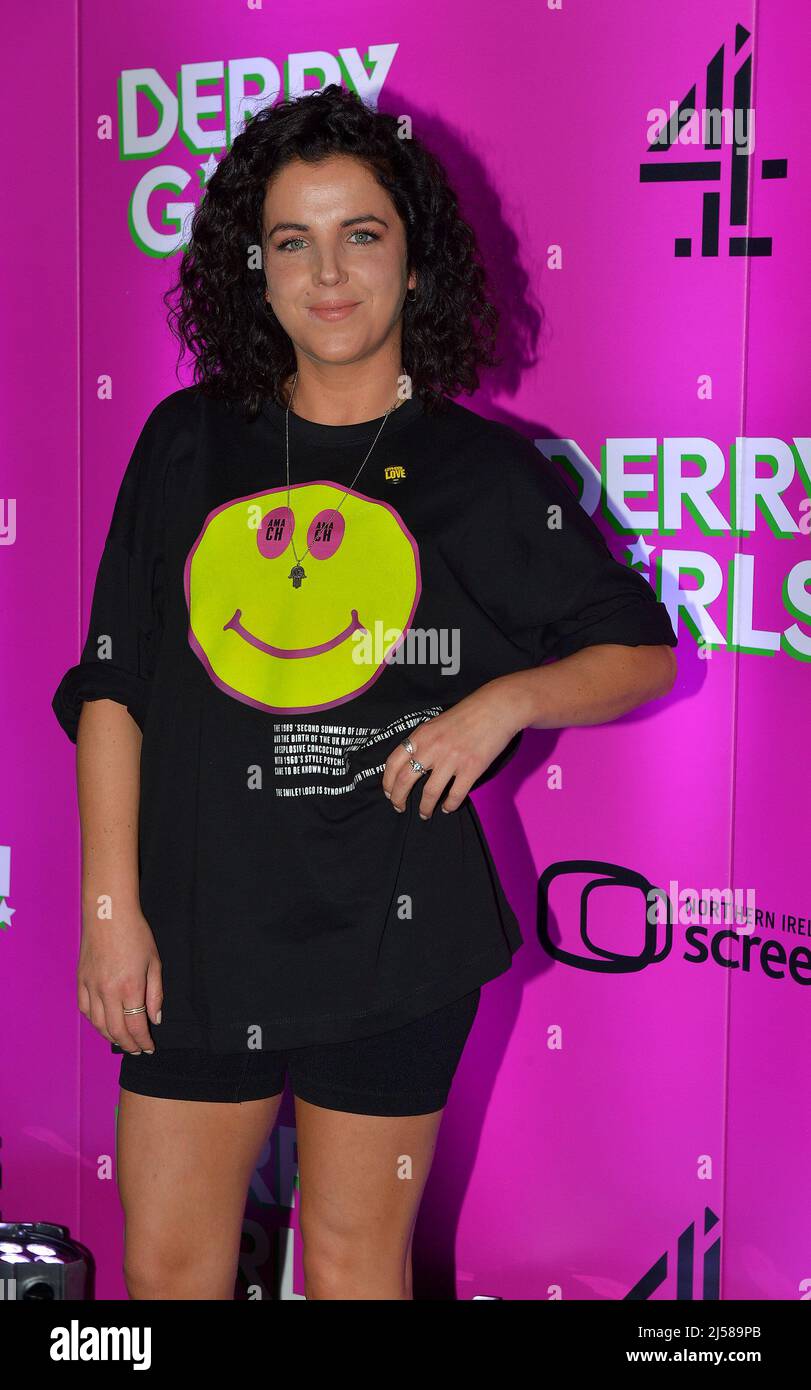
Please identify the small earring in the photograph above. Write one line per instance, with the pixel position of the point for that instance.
(411, 294)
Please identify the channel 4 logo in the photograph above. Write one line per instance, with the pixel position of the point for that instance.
(665, 169)
(695, 1271)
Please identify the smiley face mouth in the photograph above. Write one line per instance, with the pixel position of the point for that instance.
(354, 625)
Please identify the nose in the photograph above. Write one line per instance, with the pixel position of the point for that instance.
(328, 269)
(329, 273)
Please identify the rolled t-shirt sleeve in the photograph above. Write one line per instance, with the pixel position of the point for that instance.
(118, 657)
(555, 586)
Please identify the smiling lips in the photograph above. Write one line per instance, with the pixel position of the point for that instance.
(355, 625)
(333, 309)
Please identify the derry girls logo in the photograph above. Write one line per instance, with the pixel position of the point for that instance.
(764, 487)
(204, 107)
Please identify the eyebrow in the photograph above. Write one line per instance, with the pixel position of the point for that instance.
(302, 226)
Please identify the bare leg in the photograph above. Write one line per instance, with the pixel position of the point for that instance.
(184, 1168)
(361, 1178)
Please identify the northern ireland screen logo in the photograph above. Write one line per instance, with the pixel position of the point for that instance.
(613, 920)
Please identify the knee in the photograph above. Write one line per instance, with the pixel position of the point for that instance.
(159, 1271)
(353, 1264)
(150, 1278)
(347, 1278)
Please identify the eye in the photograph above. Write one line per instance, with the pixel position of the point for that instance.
(325, 534)
(289, 244)
(273, 536)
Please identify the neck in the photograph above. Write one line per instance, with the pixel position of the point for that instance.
(328, 403)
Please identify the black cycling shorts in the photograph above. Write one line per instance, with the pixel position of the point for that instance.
(406, 1071)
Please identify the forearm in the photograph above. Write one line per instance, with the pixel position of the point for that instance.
(108, 751)
(592, 686)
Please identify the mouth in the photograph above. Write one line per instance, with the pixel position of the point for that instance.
(333, 310)
(235, 625)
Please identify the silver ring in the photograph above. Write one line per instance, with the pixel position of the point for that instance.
(407, 744)
(140, 1010)
(416, 765)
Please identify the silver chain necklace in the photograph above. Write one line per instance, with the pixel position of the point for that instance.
(297, 572)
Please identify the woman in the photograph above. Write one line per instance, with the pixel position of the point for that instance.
(319, 621)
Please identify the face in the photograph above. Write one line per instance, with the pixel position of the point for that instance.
(332, 233)
(279, 648)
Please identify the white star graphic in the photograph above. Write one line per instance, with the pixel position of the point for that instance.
(641, 552)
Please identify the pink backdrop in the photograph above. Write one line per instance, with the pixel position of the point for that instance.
(611, 1131)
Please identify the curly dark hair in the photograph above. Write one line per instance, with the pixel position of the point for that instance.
(217, 307)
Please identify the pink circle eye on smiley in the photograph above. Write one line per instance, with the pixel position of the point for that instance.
(324, 535)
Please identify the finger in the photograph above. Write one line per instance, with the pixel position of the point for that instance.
(432, 788)
(393, 764)
(398, 759)
(407, 777)
(154, 988)
(404, 784)
(135, 1026)
(97, 1017)
(462, 783)
(117, 1023)
(83, 999)
(396, 762)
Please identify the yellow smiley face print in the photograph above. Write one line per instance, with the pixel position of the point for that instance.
(293, 648)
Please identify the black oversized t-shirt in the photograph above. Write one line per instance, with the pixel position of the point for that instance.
(283, 890)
